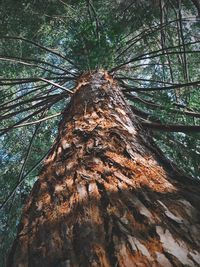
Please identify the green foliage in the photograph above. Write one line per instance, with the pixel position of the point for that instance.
(148, 47)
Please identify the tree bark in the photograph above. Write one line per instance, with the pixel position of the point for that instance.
(106, 196)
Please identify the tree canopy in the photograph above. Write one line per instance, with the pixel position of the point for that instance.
(151, 48)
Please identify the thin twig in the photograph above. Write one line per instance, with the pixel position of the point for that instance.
(57, 85)
(38, 121)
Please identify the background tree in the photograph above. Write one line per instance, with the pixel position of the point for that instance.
(151, 47)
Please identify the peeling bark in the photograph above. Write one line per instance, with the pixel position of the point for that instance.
(105, 197)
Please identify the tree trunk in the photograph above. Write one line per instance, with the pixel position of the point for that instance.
(106, 196)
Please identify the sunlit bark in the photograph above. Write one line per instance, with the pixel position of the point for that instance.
(105, 197)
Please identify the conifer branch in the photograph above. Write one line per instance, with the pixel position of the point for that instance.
(157, 53)
(154, 105)
(175, 86)
(171, 127)
(43, 48)
(146, 33)
(27, 62)
(56, 85)
(7, 129)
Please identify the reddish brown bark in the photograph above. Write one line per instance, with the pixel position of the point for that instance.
(104, 198)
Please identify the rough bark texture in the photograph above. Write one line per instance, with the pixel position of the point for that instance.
(104, 198)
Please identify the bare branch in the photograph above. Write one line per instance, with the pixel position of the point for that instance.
(42, 47)
(33, 99)
(57, 85)
(25, 61)
(38, 121)
(154, 105)
(171, 127)
(19, 81)
(33, 89)
(143, 80)
(5, 130)
(147, 32)
(39, 104)
(175, 86)
(154, 54)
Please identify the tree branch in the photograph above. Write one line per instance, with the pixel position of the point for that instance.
(158, 106)
(175, 86)
(42, 47)
(145, 33)
(5, 130)
(164, 53)
(57, 85)
(171, 127)
(38, 121)
(25, 61)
